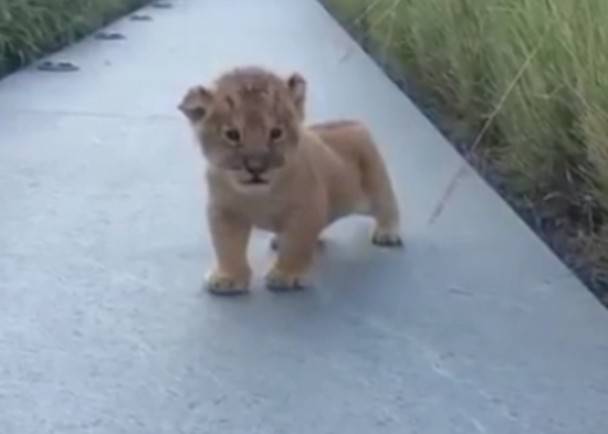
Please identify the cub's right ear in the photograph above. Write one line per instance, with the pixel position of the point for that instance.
(196, 103)
(297, 89)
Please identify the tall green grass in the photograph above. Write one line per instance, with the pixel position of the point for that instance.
(533, 76)
(29, 28)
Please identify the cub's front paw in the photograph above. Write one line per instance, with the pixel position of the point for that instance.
(279, 281)
(387, 238)
(220, 283)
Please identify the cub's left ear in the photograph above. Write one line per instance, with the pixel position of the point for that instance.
(196, 103)
(297, 89)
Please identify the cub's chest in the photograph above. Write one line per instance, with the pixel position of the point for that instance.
(263, 213)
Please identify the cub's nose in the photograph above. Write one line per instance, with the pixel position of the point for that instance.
(256, 164)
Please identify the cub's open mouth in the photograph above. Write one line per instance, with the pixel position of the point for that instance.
(256, 180)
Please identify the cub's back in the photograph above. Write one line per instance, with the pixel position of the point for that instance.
(352, 144)
(349, 139)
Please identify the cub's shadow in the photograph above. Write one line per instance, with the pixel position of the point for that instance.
(351, 278)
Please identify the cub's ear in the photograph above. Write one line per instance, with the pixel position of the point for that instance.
(195, 104)
(297, 89)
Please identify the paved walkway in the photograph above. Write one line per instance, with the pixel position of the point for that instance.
(475, 328)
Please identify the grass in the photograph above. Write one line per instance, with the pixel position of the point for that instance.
(527, 82)
(30, 28)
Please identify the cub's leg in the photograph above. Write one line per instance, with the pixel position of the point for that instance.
(382, 200)
(230, 236)
(353, 142)
(384, 209)
(295, 256)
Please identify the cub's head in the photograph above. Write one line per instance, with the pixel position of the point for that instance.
(248, 124)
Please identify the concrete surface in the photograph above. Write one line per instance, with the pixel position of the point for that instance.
(475, 328)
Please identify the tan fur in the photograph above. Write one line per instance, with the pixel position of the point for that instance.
(293, 184)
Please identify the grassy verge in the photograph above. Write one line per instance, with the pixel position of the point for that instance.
(521, 87)
(29, 28)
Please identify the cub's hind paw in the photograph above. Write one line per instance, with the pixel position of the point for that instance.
(387, 238)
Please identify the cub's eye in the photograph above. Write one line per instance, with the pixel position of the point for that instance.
(276, 133)
(233, 135)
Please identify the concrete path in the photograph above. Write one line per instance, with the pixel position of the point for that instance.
(475, 328)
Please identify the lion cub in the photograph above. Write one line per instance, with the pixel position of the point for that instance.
(269, 171)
